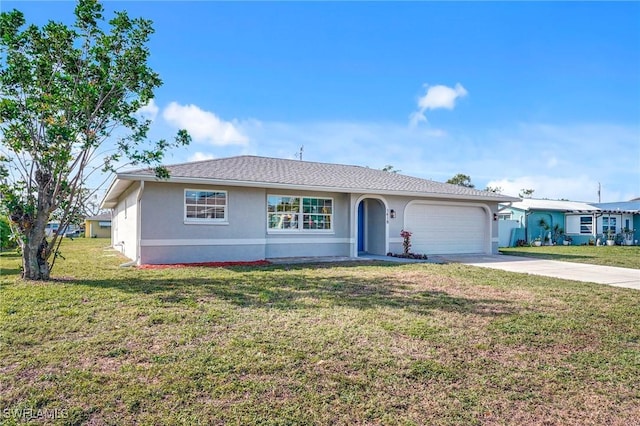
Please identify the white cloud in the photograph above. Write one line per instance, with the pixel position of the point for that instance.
(574, 188)
(201, 156)
(558, 161)
(437, 97)
(359, 143)
(150, 110)
(204, 126)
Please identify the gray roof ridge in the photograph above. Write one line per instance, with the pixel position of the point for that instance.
(211, 160)
(184, 163)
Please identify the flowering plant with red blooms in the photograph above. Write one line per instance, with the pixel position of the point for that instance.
(406, 244)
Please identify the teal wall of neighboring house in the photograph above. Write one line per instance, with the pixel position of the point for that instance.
(534, 230)
(529, 228)
(529, 225)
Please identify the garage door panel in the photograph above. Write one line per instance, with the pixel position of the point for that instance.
(447, 229)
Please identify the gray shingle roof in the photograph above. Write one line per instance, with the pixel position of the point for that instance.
(245, 170)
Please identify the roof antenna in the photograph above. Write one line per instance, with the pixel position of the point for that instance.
(599, 192)
(300, 153)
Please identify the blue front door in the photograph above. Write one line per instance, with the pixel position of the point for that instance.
(361, 226)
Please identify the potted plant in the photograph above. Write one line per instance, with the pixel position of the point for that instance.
(537, 242)
(611, 237)
(627, 236)
(544, 230)
(567, 240)
(557, 233)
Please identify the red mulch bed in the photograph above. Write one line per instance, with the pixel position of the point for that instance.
(206, 264)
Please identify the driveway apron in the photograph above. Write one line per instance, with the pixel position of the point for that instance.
(619, 277)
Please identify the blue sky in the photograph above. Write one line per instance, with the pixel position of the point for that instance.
(540, 95)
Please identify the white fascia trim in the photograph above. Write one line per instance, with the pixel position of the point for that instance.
(312, 188)
(502, 207)
(117, 187)
(241, 242)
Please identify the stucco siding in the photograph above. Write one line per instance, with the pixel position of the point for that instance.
(163, 209)
(125, 221)
(376, 216)
(308, 248)
(181, 252)
(168, 238)
(396, 225)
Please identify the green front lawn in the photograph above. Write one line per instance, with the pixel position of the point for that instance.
(623, 256)
(326, 344)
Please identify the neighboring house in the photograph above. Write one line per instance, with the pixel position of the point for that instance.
(583, 222)
(52, 227)
(625, 215)
(98, 226)
(252, 208)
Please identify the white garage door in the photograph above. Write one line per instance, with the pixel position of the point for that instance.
(447, 229)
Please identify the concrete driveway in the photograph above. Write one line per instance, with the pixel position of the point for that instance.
(619, 277)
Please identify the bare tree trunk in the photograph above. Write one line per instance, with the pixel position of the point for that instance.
(35, 252)
(36, 249)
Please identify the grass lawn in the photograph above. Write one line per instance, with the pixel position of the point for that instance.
(327, 344)
(623, 256)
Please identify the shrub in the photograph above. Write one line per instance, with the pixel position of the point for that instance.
(406, 242)
(6, 235)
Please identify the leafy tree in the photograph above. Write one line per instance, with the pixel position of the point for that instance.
(390, 168)
(90, 205)
(526, 193)
(496, 189)
(6, 240)
(64, 90)
(461, 180)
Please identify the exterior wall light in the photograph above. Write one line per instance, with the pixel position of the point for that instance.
(392, 214)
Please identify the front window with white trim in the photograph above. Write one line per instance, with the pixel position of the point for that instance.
(586, 224)
(205, 206)
(609, 225)
(579, 224)
(295, 213)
